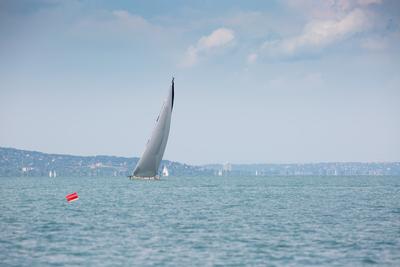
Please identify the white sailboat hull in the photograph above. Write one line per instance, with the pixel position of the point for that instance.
(132, 177)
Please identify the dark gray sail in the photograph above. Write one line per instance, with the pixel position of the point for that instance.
(148, 165)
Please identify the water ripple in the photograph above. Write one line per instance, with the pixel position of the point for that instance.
(205, 221)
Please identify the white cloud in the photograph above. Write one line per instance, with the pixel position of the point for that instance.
(217, 39)
(369, 2)
(120, 24)
(328, 9)
(191, 57)
(319, 34)
(252, 58)
(130, 20)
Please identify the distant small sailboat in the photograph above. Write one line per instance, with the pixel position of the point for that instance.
(149, 163)
(165, 171)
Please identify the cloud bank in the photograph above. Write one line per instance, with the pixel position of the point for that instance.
(217, 39)
(319, 34)
(329, 23)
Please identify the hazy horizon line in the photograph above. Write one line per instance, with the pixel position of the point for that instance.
(203, 164)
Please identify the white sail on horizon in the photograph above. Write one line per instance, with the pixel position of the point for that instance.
(149, 163)
(165, 171)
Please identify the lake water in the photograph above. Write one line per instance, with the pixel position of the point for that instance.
(204, 221)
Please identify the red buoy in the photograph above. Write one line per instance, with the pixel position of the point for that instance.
(72, 197)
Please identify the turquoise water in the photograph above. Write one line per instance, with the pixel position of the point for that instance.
(204, 221)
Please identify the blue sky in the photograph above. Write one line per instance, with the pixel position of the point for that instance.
(256, 81)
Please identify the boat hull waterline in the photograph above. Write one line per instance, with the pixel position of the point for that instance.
(144, 178)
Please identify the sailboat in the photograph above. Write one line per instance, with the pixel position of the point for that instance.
(148, 165)
(165, 171)
(52, 174)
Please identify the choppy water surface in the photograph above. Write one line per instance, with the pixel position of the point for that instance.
(291, 221)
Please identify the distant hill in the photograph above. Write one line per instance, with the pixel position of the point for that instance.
(15, 162)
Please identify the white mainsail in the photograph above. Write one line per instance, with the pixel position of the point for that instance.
(148, 165)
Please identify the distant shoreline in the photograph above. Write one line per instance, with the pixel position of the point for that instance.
(18, 162)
